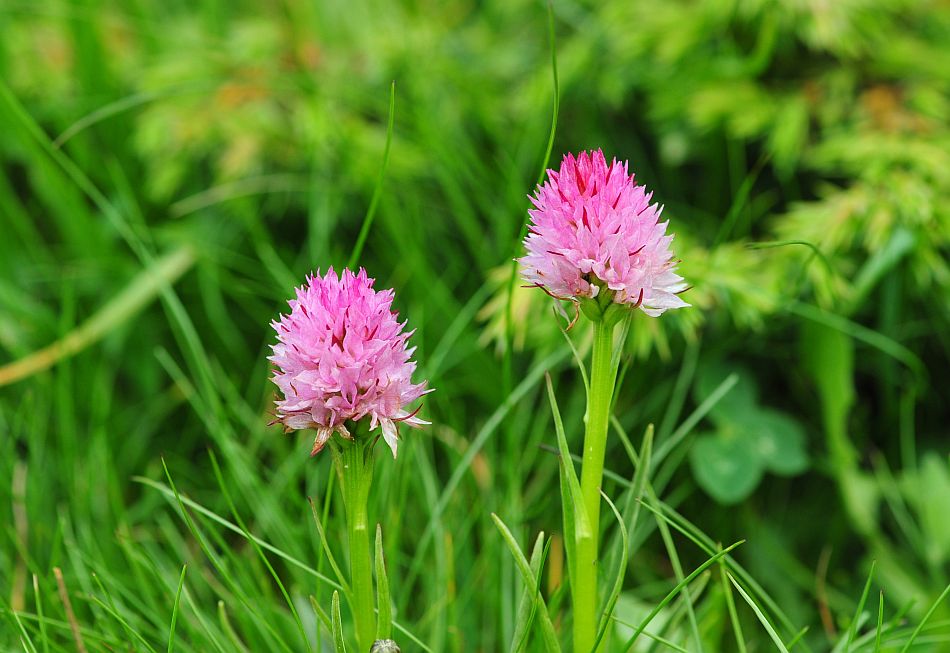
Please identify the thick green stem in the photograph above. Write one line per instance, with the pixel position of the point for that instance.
(356, 470)
(603, 375)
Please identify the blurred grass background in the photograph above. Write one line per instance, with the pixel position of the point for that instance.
(171, 170)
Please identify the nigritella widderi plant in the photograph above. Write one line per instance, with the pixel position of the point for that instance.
(595, 239)
(344, 366)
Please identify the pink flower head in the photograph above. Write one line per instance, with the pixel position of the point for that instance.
(594, 230)
(341, 355)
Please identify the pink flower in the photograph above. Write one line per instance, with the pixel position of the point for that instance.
(594, 230)
(341, 356)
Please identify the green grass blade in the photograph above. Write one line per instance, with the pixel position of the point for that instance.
(25, 641)
(337, 623)
(217, 564)
(705, 543)
(567, 517)
(797, 638)
(882, 343)
(341, 578)
(634, 488)
(852, 629)
(257, 548)
(581, 519)
(923, 622)
(618, 579)
(378, 189)
(549, 636)
(656, 638)
(124, 623)
(41, 620)
(673, 594)
(880, 622)
(678, 571)
(113, 610)
(761, 615)
(488, 429)
(731, 607)
(528, 606)
(684, 380)
(513, 277)
(175, 608)
(141, 291)
(579, 360)
(384, 604)
(663, 450)
(321, 614)
(171, 493)
(203, 622)
(228, 629)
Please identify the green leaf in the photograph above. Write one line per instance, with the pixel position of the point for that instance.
(547, 628)
(761, 615)
(576, 521)
(778, 440)
(377, 189)
(567, 513)
(618, 580)
(673, 593)
(727, 468)
(880, 263)
(175, 608)
(384, 625)
(329, 553)
(632, 501)
(527, 607)
(321, 614)
(923, 622)
(337, 622)
(853, 628)
(731, 607)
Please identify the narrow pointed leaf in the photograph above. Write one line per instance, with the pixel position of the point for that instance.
(175, 607)
(618, 580)
(580, 514)
(547, 628)
(384, 624)
(779, 644)
(852, 629)
(337, 624)
(923, 622)
(674, 592)
(527, 607)
(329, 553)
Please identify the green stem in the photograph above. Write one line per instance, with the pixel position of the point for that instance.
(355, 467)
(603, 375)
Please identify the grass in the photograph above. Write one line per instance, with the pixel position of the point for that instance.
(171, 171)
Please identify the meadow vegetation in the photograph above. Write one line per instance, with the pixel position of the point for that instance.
(170, 171)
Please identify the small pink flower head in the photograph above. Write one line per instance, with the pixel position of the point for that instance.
(593, 230)
(341, 356)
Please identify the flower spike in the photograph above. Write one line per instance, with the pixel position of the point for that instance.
(593, 231)
(342, 356)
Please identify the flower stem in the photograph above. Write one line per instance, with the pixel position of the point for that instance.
(603, 376)
(355, 467)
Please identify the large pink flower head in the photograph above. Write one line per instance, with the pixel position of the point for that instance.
(594, 231)
(342, 356)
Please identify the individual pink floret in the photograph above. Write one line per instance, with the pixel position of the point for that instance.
(341, 356)
(593, 229)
